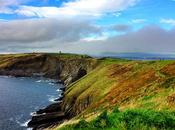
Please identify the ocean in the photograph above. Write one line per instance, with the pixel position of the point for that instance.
(20, 97)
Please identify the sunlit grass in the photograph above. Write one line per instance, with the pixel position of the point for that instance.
(134, 119)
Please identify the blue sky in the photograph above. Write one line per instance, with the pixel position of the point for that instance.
(145, 11)
(82, 25)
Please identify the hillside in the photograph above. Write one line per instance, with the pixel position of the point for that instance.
(128, 84)
(143, 85)
(95, 85)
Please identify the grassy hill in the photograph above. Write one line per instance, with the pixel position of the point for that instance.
(139, 87)
(114, 94)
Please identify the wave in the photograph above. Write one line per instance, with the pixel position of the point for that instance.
(25, 123)
(51, 83)
(59, 90)
(3, 76)
(33, 113)
(51, 98)
(39, 81)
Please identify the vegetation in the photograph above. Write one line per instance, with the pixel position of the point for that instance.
(147, 88)
(128, 84)
(128, 120)
(69, 55)
(142, 86)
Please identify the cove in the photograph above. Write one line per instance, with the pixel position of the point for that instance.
(19, 97)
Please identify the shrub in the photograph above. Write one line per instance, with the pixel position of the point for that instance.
(82, 124)
(102, 121)
(129, 120)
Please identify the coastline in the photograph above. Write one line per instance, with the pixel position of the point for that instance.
(21, 97)
(47, 116)
(63, 68)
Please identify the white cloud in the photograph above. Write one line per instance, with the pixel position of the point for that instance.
(116, 14)
(168, 21)
(5, 5)
(94, 38)
(44, 12)
(53, 35)
(78, 8)
(6, 10)
(138, 20)
(39, 30)
(151, 39)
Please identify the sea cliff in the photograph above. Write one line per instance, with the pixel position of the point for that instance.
(94, 85)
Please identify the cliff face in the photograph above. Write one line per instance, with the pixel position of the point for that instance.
(126, 84)
(66, 69)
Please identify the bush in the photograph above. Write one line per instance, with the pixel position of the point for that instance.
(102, 121)
(82, 124)
(159, 120)
(116, 110)
(129, 120)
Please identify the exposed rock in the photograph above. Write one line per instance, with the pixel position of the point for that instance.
(63, 89)
(55, 107)
(41, 119)
(47, 117)
(65, 70)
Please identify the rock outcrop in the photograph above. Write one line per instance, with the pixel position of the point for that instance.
(65, 69)
(48, 116)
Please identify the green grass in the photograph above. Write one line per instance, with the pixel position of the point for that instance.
(94, 86)
(128, 120)
(63, 55)
(69, 55)
(113, 60)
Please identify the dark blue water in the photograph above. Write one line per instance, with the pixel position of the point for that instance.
(19, 97)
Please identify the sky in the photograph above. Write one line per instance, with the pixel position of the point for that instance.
(87, 26)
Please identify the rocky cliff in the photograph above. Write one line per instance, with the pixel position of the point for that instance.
(65, 68)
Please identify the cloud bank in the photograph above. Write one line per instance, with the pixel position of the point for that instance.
(38, 30)
(53, 35)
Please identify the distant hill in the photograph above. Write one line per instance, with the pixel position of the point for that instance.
(138, 56)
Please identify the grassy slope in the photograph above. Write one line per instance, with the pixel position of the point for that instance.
(140, 85)
(127, 120)
(148, 85)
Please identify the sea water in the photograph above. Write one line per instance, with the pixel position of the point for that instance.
(20, 97)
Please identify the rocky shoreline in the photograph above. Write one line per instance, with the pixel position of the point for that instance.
(50, 115)
(65, 70)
